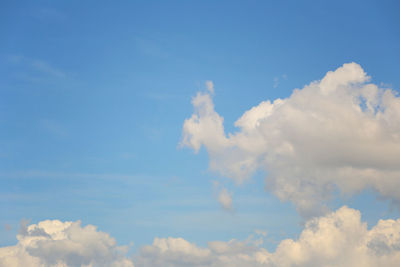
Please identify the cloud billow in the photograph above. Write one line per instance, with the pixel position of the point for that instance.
(63, 244)
(339, 238)
(341, 132)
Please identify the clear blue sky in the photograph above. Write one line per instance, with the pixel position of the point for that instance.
(93, 96)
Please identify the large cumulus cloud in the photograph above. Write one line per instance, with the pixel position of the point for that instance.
(338, 239)
(339, 132)
(62, 244)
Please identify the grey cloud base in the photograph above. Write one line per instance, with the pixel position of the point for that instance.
(337, 239)
(340, 132)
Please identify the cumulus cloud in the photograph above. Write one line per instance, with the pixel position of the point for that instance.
(170, 252)
(338, 239)
(341, 132)
(62, 244)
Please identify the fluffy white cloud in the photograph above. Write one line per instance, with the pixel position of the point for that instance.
(171, 252)
(340, 132)
(337, 239)
(341, 239)
(62, 244)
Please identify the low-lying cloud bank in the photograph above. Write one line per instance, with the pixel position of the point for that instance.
(340, 132)
(338, 239)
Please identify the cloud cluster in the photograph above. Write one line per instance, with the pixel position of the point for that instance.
(341, 132)
(62, 244)
(337, 239)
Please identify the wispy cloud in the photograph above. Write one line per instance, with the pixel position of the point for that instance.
(223, 195)
(210, 86)
(35, 70)
(46, 68)
(278, 79)
(225, 199)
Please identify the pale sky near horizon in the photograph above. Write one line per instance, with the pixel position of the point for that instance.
(104, 104)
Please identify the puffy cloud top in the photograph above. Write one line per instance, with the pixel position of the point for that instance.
(340, 132)
(61, 244)
(338, 239)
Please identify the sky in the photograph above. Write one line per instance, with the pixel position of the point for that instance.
(199, 133)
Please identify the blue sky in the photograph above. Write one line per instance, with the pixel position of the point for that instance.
(94, 94)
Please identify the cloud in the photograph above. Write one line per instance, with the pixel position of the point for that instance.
(35, 69)
(56, 243)
(46, 68)
(225, 199)
(223, 196)
(277, 80)
(210, 86)
(337, 239)
(170, 252)
(341, 132)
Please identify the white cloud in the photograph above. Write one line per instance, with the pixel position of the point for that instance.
(170, 252)
(210, 86)
(225, 199)
(56, 243)
(46, 68)
(38, 67)
(277, 80)
(261, 232)
(337, 239)
(340, 132)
